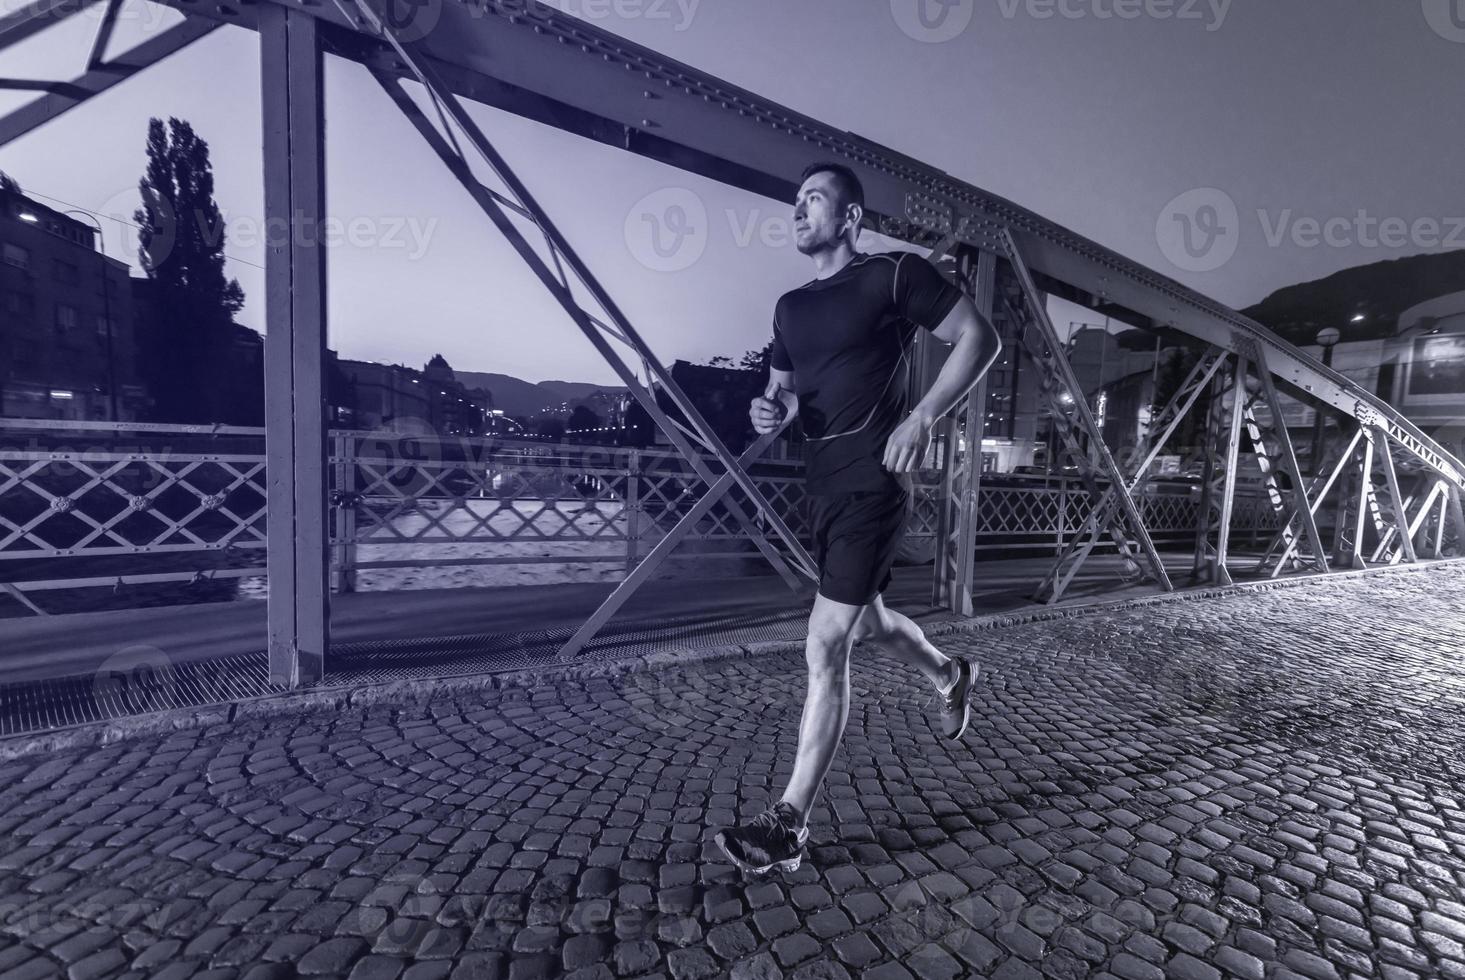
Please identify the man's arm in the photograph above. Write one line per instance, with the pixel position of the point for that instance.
(977, 346)
(766, 413)
(781, 386)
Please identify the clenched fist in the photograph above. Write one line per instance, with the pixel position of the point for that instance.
(767, 411)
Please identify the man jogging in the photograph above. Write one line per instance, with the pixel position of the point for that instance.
(841, 360)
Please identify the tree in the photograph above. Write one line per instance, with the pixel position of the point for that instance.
(181, 236)
(756, 359)
(583, 418)
(552, 428)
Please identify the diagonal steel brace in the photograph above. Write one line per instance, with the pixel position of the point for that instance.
(392, 85)
(61, 97)
(1303, 509)
(1066, 568)
(1106, 462)
(458, 165)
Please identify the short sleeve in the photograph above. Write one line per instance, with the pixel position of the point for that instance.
(779, 360)
(920, 293)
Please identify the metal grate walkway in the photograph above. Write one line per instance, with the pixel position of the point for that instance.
(151, 684)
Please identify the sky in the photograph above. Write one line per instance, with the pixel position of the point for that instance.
(1235, 146)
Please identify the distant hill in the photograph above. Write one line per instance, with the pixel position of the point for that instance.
(518, 397)
(573, 390)
(1381, 291)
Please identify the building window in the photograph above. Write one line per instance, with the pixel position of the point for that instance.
(17, 256)
(65, 318)
(104, 327)
(23, 305)
(63, 271)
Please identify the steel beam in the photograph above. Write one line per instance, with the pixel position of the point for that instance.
(1287, 539)
(961, 476)
(35, 17)
(1096, 458)
(642, 572)
(293, 104)
(65, 96)
(1066, 568)
(1398, 516)
(1457, 518)
(1218, 486)
(1288, 457)
(1433, 519)
(94, 58)
(1353, 509)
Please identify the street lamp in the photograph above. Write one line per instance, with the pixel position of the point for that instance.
(106, 311)
(1327, 338)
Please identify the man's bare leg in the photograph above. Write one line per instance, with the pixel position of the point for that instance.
(826, 703)
(902, 638)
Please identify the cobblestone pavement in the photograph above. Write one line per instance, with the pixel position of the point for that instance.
(1264, 785)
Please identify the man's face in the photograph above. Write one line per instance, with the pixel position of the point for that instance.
(819, 220)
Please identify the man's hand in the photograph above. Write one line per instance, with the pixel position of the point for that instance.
(905, 450)
(767, 410)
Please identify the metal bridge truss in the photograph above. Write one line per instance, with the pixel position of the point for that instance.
(532, 60)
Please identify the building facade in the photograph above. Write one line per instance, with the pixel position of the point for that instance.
(67, 339)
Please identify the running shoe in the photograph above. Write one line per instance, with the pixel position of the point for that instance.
(771, 839)
(956, 708)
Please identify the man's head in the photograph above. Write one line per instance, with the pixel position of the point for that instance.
(829, 207)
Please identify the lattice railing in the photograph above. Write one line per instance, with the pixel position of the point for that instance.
(179, 495)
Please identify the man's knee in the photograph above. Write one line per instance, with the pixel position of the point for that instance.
(874, 625)
(831, 631)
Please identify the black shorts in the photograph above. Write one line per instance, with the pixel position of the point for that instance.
(855, 539)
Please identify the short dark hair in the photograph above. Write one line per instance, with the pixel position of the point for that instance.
(851, 191)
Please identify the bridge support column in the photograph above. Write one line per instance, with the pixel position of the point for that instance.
(1218, 484)
(961, 472)
(1353, 506)
(293, 102)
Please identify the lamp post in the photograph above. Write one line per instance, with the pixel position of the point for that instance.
(1327, 339)
(106, 313)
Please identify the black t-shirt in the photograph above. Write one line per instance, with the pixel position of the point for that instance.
(848, 341)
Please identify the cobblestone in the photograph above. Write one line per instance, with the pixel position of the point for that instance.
(1262, 785)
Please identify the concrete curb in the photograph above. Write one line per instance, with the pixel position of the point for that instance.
(405, 692)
